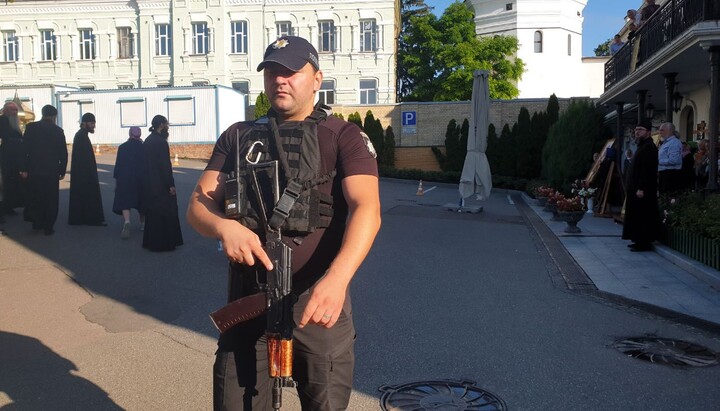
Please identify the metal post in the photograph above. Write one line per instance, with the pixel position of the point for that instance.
(714, 116)
(669, 91)
(641, 105)
(619, 133)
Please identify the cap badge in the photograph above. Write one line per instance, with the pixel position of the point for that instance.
(281, 43)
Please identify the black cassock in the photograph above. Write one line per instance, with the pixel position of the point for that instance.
(642, 219)
(10, 161)
(162, 225)
(128, 176)
(85, 199)
(45, 159)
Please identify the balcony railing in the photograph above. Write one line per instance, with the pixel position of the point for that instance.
(668, 23)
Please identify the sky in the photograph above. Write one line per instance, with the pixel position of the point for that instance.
(603, 19)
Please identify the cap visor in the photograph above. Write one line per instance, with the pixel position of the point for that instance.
(289, 66)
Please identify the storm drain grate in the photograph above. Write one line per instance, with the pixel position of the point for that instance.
(442, 395)
(667, 351)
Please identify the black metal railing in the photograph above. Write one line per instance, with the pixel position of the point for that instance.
(668, 23)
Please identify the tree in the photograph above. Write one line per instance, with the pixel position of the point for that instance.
(389, 148)
(406, 45)
(262, 105)
(603, 49)
(374, 131)
(439, 57)
(572, 140)
(355, 118)
(524, 136)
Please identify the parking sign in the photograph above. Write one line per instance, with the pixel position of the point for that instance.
(409, 122)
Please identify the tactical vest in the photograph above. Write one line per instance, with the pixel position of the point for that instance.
(301, 208)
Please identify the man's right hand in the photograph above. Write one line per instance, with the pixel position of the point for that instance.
(241, 245)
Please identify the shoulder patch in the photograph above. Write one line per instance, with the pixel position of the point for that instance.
(368, 144)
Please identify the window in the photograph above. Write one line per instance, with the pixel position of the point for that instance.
(326, 37)
(368, 35)
(569, 45)
(241, 86)
(10, 46)
(163, 40)
(368, 91)
(126, 46)
(181, 110)
(132, 112)
(87, 44)
(200, 38)
(86, 106)
(238, 37)
(284, 28)
(538, 42)
(326, 95)
(200, 83)
(48, 45)
(508, 7)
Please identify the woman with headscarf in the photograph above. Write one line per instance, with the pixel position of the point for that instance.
(159, 200)
(86, 206)
(128, 180)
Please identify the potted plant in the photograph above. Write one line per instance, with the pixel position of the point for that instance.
(571, 210)
(542, 194)
(551, 204)
(582, 189)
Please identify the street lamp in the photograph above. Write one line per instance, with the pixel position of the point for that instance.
(649, 111)
(677, 101)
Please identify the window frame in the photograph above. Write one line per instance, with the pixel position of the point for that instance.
(538, 41)
(239, 35)
(372, 33)
(280, 30)
(48, 45)
(365, 93)
(163, 40)
(326, 38)
(324, 92)
(10, 46)
(125, 43)
(200, 39)
(87, 45)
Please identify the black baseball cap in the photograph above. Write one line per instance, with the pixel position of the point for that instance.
(292, 52)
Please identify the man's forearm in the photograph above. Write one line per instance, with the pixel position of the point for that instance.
(362, 227)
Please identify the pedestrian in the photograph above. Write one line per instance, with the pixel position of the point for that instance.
(85, 199)
(641, 224)
(333, 162)
(128, 180)
(669, 161)
(11, 154)
(43, 166)
(159, 200)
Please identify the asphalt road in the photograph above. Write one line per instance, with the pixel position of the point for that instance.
(89, 321)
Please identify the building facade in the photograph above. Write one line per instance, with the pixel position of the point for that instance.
(111, 44)
(550, 37)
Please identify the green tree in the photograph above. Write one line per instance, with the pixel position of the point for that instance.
(374, 131)
(552, 110)
(355, 118)
(389, 148)
(603, 49)
(440, 56)
(262, 105)
(525, 146)
(572, 140)
(455, 146)
(408, 48)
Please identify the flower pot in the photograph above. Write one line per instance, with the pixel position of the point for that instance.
(571, 218)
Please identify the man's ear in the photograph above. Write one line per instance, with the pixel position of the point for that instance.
(317, 81)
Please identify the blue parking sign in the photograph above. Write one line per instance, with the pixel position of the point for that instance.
(409, 118)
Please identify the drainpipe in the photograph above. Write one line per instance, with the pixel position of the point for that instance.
(714, 116)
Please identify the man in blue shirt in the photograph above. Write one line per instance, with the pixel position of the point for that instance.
(616, 44)
(669, 161)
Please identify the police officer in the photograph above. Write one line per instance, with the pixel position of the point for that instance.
(328, 247)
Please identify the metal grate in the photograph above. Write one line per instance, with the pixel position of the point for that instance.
(667, 351)
(442, 395)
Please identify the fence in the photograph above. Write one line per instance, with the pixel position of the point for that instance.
(695, 246)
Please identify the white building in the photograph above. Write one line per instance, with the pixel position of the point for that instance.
(111, 44)
(550, 37)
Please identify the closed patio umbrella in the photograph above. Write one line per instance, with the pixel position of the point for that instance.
(476, 178)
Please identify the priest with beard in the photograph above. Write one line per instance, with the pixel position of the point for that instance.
(159, 200)
(10, 159)
(85, 200)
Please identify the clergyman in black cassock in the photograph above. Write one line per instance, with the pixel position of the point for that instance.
(159, 201)
(85, 200)
(11, 153)
(44, 165)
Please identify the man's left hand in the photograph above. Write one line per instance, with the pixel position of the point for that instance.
(326, 302)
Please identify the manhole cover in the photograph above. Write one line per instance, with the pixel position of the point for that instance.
(444, 395)
(667, 351)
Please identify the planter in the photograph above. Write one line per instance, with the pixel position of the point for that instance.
(541, 201)
(571, 218)
(550, 207)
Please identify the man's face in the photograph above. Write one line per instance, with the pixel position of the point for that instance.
(90, 126)
(664, 132)
(10, 109)
(641, 133)
(291, 94)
